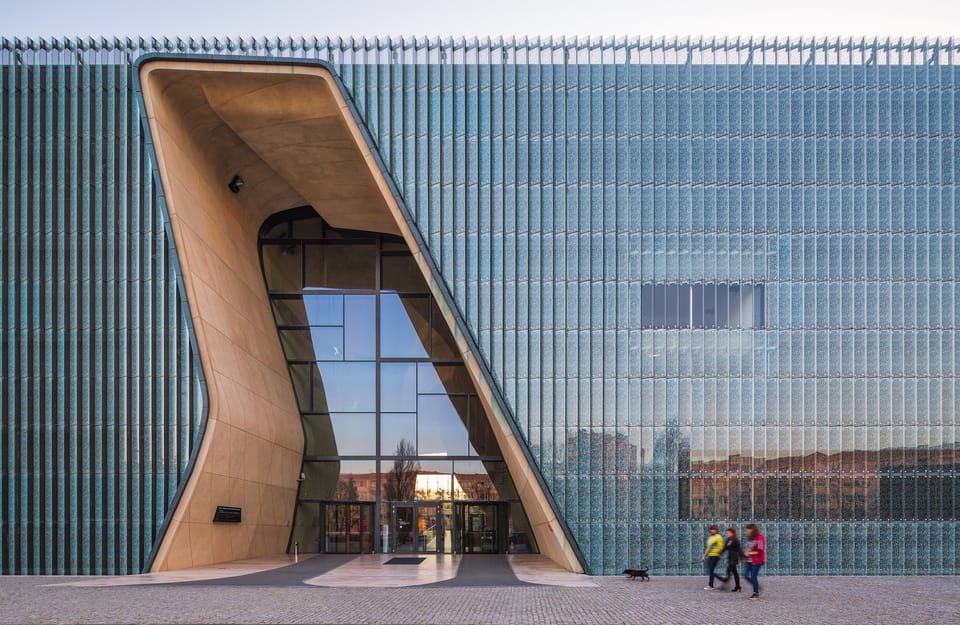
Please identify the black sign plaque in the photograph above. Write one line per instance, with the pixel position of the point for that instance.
(226, 514)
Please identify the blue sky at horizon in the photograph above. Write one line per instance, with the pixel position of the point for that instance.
(494, 17)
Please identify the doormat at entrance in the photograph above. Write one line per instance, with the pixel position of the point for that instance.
(404, 560)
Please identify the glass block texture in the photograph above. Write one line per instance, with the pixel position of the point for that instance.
(551, 179)
(101, 398)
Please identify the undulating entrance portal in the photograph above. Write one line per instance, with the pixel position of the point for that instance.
(399, 454)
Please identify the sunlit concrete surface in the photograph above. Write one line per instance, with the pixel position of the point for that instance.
(222, 570)
(535, 569)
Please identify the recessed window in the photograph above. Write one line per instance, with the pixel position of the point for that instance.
(702, 306)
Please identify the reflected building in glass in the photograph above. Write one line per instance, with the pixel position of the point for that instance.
(707, 282)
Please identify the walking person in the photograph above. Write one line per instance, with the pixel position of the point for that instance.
(756, 550)
(712, 554)
(734, 558)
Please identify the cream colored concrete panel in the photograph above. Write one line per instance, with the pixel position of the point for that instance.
(307, 140)
(216, 232)
(201, 542)
(291, 100)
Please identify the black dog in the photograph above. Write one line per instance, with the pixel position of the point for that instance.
(635, 573)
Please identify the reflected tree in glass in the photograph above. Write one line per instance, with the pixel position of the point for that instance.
(402, 478)
(347, 489)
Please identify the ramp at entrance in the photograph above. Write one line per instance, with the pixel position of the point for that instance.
(483, 570)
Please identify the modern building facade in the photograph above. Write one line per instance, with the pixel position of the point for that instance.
(584, 298)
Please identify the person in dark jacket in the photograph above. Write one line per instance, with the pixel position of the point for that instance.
(734, 558)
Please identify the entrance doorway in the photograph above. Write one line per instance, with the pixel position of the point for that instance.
(454, 527)
(391, 416)
(338, 527)
(482, 527)
(422, 527)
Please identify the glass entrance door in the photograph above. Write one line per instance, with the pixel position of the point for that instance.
(428, 532)
(421, 528)
(480, 528)
(347, 528)
(405, 529)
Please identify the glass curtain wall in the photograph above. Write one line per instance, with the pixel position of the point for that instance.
(398, 452)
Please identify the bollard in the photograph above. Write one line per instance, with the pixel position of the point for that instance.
(296, 552)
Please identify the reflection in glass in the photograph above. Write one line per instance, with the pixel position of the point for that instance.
(360, 331)
(400, 475)
(300, 376)
(281, 266)
(441, 425)
(297, 344)
(401, 274)
(521, 539)
(307, 229)
(436, 378)
(482, 441)
(472, 481)
(339, 480)
(398, 386)
(306, 527)
(289, 311)
(348, 528)
(345, 387)
(398, 431)
(319, 439)
(324, 310)
(441, 340)
(327, 345)
(434, 481)
(340, 266)
(404, 326)
(340, 434)
(279, 230)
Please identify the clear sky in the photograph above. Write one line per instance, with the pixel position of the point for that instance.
(485, 17)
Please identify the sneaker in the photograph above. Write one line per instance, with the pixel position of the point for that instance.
(754, 596)
(708, 587)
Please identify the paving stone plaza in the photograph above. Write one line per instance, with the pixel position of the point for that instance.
(283, 595)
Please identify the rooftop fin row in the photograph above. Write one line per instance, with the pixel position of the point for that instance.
(498, 50)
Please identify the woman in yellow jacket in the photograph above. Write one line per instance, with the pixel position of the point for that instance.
(712, 554)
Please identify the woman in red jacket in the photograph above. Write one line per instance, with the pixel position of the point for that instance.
(756, 549)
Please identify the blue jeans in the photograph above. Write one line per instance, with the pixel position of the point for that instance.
(751, 572)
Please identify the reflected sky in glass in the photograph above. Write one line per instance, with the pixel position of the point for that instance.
(346, 387)
(403, 326)
(441, 426)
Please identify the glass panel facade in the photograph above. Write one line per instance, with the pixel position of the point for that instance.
(713, 286)
(389, 412)
(552, 185)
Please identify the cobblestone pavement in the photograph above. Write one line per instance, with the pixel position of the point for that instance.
(794, 600)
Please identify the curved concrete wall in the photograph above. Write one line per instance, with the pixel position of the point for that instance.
(289, 132)
(252, 447)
